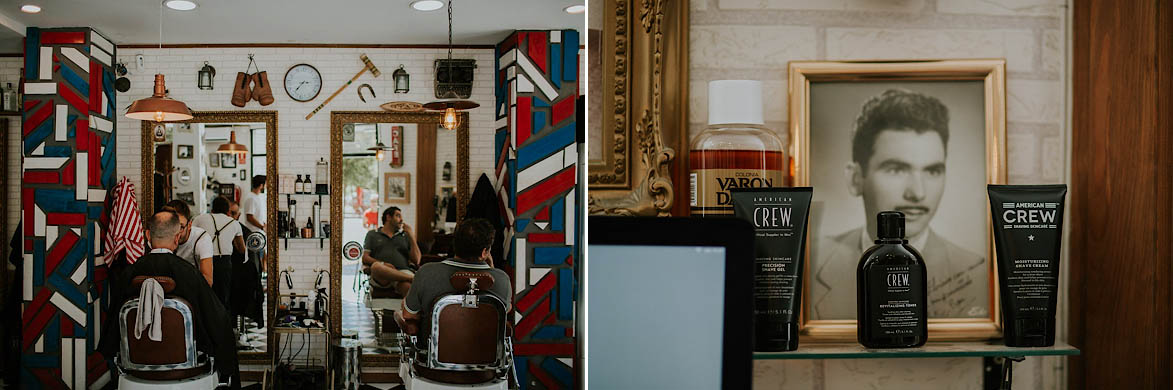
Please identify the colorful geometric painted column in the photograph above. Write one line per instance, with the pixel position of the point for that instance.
(68, 149)
(537, 90)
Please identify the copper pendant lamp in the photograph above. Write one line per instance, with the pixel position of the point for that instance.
(232, 147)
(159, 107)
(451, 103)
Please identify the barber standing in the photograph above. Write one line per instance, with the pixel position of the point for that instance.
(195, 244)
(226, 235)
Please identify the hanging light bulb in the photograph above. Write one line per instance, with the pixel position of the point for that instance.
(380, 151)
(159, 107)
(451, 102)
(450, 119)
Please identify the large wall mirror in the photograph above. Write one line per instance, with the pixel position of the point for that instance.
(379, 160)
(188, 162)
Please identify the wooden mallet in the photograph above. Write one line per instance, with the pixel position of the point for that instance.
(367, 65)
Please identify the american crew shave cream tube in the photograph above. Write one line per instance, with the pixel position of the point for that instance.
(779, 218)
(1028, 225)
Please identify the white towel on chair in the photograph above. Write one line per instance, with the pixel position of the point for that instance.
(150, 308)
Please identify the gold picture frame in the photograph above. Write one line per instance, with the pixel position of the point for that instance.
(991, 73)
(396, 187)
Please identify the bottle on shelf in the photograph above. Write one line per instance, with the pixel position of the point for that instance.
(13, 98)
(736, 150)
(4, 103)
(292, 233)
(297, 185)
(891, 289)
(307, 186)
(308, 231)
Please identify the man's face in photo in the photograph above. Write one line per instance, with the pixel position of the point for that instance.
(906, 173)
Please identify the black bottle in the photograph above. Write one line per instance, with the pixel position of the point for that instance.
(891, 289)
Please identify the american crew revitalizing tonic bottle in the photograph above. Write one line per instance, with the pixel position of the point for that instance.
(891, 289)
(735, 151)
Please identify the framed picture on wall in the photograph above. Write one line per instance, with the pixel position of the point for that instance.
(214, 160)
(396, 187)
(923, 138)
(243, 175)
(227, 160)
(184, 152)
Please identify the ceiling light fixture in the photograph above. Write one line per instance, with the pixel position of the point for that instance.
(232, 147)
(159, 107)
(575, 9)
(451, 103)
(427, 5)
(180, 5)
(30, 9)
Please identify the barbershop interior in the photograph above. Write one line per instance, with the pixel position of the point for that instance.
(180, 218)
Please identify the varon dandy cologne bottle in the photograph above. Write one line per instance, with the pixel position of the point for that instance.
(735, 151)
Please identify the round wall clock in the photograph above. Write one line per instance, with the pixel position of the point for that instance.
(303, 82)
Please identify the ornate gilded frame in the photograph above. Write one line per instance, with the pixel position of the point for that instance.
(644, 127)
(269, 118)
(993, 73)
(423, 120)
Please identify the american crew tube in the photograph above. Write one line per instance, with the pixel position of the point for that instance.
(779, 217)
(1028, 226)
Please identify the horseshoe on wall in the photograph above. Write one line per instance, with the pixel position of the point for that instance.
(368, 87)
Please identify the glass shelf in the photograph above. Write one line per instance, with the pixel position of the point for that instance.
(930, 350)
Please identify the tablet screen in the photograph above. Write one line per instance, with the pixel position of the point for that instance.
(656, 317)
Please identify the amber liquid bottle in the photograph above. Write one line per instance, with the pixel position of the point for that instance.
(891, 289)
(735, 151)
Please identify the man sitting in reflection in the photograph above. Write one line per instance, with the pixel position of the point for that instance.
(391, 252)
(473, 239)
(211, 334)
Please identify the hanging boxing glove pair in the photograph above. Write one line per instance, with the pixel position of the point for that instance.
(259, 90)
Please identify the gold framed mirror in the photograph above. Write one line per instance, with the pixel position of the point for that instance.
(438, 200)
(637, 149)
(186, 143)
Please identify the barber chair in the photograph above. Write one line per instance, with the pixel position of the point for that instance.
(173, 363)
(383, 302)
(462, 341)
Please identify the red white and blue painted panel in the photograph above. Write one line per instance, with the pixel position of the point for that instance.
(68, 165)
(537, 178)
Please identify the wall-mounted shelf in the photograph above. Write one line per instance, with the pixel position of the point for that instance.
(998, 359)
(320, 238)
(11, 113)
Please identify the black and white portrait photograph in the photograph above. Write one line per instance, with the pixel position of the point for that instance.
(227, 160)
(396, 187)
(914, 145)
(184, 152)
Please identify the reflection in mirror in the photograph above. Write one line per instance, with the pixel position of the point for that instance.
(192, 169)
(416, 175)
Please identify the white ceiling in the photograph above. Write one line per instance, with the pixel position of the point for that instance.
(479, 22)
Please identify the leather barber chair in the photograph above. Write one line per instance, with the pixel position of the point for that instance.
(462, 341)
(171, 363)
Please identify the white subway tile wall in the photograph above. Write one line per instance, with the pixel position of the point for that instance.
(754, 39)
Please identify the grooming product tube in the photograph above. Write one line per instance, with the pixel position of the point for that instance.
(1028, 228)
(779, 217)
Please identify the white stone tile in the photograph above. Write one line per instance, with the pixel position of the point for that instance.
(1022, 158)
(1034, 101)
(784, 374)
(749, 46)
(1003, 7)
(1052, 159)
(904, 374)
(1052, 51)
(835, 5)
(1016, 46)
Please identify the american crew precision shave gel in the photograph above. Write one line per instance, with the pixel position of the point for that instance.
(1028, 226)
(779, 217)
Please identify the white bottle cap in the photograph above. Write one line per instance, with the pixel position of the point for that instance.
(735, 101)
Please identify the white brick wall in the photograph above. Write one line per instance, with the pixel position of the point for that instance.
(302, 142)
(10, 68)
(728, 41)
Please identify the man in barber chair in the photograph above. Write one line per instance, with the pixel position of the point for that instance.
(390, 253)
(210, 319)
(474, 238)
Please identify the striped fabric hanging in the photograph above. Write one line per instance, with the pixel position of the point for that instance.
(126, 231)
